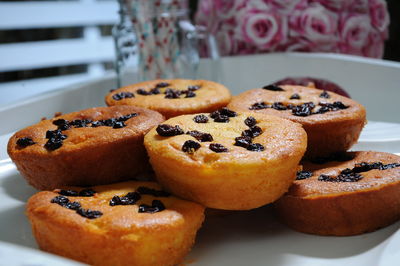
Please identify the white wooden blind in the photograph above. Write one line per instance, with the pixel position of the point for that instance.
(92, 49)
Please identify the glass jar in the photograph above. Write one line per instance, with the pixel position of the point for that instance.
(156, 40)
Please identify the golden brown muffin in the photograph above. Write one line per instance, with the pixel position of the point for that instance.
(173, 97)
(226, 160)
(90, 147)
(130, 223)
(358, 194)
(333, 123)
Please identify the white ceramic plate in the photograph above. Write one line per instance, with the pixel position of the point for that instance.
(233, 238)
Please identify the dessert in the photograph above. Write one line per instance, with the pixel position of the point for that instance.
(129, 223)
(90, 147)
(354, 193)
(172, 97)
(226, 160)
(333, 123)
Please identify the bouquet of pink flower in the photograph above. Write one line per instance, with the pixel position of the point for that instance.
(356, 27)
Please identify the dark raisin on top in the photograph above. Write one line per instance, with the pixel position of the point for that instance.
(273, 87)
(216, 147)
(190, 146)
(190, 94)
(172, 94)
(221, 118)
(56, 134)
(351, 177)
(88, 192)
(295, 96)
(193, 87)
(250, 121)
(59, 122)
(152, 191)
(324, 94)
(255, 147)
(227, 112)
(279, 106)
(129, 199)
(60, 200)
(252, 132)
(304, 109)
(53, 144)
(25, 142)
(162, 85)
(259, 106)
(300, 175)
(122, 95)
(90, 214)
(243, 141)
(156, 206)
(168, 130)
(200, 119)
(143, 92)
(72, 193)
(200, 136)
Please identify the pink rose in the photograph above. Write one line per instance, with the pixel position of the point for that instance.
(261, 28)
(379, 14)
(286, 6)
(359, 6)
(335, 5)
(227, 8)
(315, 23)
(354, 30)
(375, 45)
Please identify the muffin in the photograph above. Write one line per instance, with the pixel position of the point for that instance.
(130, 223)
(172, 97)
(349, 195)
(226, 160)
(90, 147)
(333, 123)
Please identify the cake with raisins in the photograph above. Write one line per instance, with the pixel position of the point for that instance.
(130, 223)
(226, 160)
(90, 147)
(172, 97)
(333, 122)
(347, 195)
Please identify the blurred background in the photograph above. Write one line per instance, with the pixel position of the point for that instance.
(49, 44)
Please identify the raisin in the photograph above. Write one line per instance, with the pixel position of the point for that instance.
(273, 88)
(243, 141)
(90, 214)
(200, 136)
(215, 114)
(122, 95)
(221, 119)
(300, 175)
(80, 122)
(225, 111)
(259, 106)
(200, 119)
(172, 94)
(216, 147)
(60, 200)
(53, 144)
(190, 94)
(252, 132)
(389, 166)
(295, 96)
(116, 200)
(304, 109)
(55, 134)
(279, 106)
(193, 87)
(190, 146)
(168, 130)
(88, 192)
(255, 147)
(156, 206)
(119, 124)
(162, 85)
(153, 192)
(155, 91)
(250, 121)
(97, 124)
(62, 124)
(25, 142)
(324, 94)
(126, 117)
(73, 205)
(143, 92)
(72, 193)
